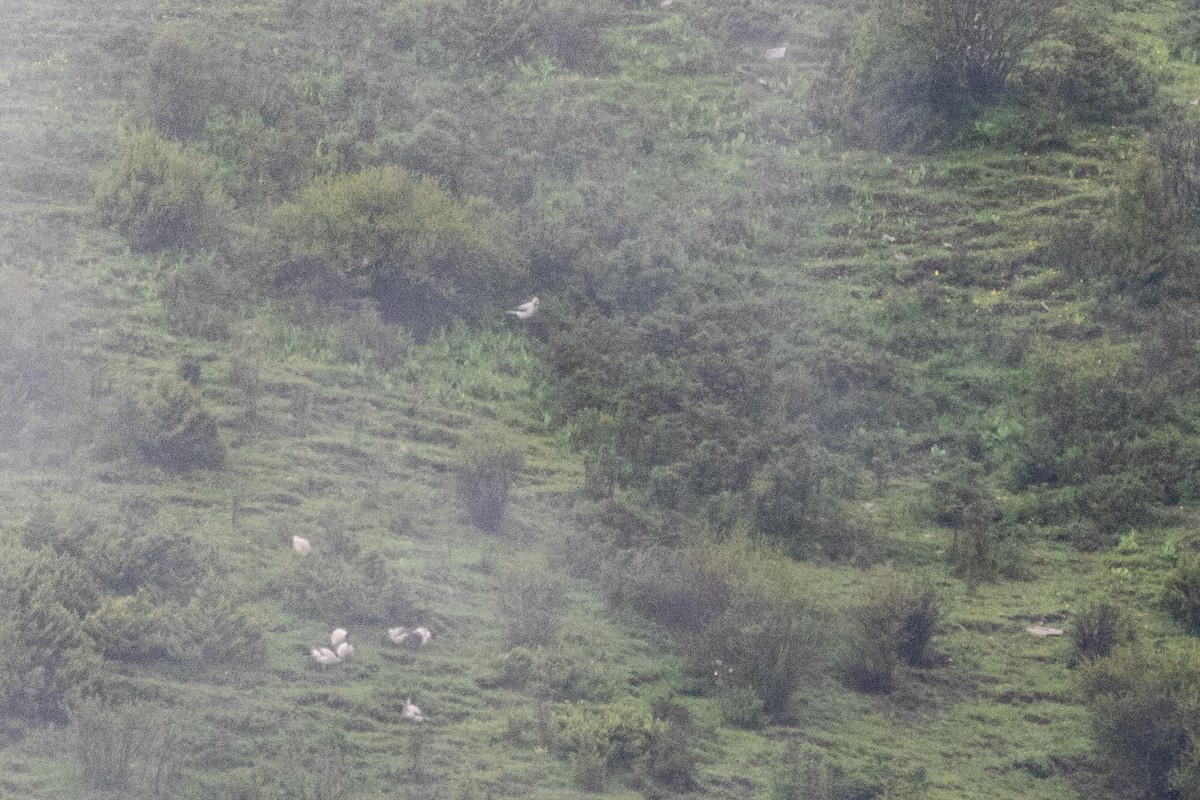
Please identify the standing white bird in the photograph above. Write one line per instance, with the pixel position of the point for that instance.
(300, 544)
(338, 636)
(345, 650)
(398, 635)
(412, 712)
(526, 310)
(424, 633)
(325, 657)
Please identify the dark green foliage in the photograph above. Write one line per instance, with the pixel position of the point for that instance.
(159, 194)
(806, 774)
(892, 621)
(684, 590)
(667, 760)
(533, 603)
(362, 591)
(1181, 594)
(132, 627)
(1098, 628)
(920, 623)
(202, 296)
(414, 247)
(133, 749)
(55, 660)
(768, 641)
(1105, 427)
(487, 469)
(169, 427)
(1143, 708)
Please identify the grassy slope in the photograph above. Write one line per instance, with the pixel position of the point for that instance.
(995, 720)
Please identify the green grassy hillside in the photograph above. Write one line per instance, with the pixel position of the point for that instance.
(840, 383)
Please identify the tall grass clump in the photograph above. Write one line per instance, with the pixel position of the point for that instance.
(891, 621)
(133, 750)
(488, 466)
(160, 195)
(1098, 628)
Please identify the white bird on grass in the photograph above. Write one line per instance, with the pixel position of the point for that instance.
(300, 544)
(345, 650)
(526, 310)
(411, 711)
(338, 636)
(406, 637)
(325, 657)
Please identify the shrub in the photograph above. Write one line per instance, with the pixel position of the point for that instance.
(1098, 628)
(534, 603)
(421, 252)
(682, 589)
(1181, 594)
(362, 591)
(488, 467)
(201, 297)
(1143, 710)
(173, 428)
(54, 661)
(877, 628)
(133, 749)
(159, 194)
(602, 737)
(131, 628)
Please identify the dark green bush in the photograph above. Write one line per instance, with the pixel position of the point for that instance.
(1097, 628)
(201, 297)
(487, 469)
(132, 628)
(159, 194)
(344, 592)
(171, 427)
(134, 749)
(533, 603)
(419, 251)
(1143, 711)
(684, 590)
(889, 618)
(1181, 594)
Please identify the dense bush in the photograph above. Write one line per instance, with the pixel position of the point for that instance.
(201, 296)
(891, 621)
(1143, 712)
(359, 591)
(533, 602)
(487, 469)
(160, 194)
(1098, 628)
(1181, 594)
(132, 749)
(402, 238)
(170, 427)
(52, 659)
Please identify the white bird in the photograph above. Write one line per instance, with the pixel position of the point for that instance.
(345, 650)
(411, 711)
(338, 636)
(526, 310)
(300, 544)
(325, 657)
(405, 637)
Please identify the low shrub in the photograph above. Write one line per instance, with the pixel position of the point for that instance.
(893, 621)
(534, 603)
(488, 466)
(1143, 708)
(1181, 594)
(134, 749)
(160, 195)
(1097, 628)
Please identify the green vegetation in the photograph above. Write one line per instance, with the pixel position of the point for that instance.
(865, 365)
